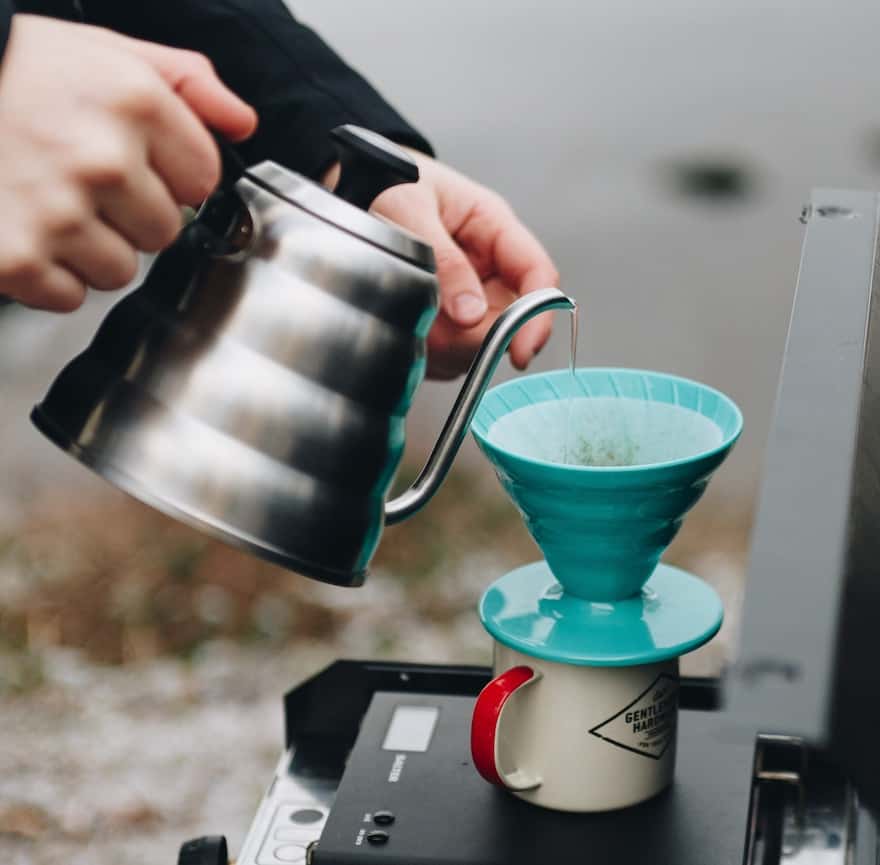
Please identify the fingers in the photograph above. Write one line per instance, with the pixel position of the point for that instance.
(217, 106)
(98, 257)
(140, 207)
(493, 234)
(485, 258)
(462, 298)
(533, 335)
(181, 150)
(179, 99)
(451, 349)
(93, 176)
(192, 76)
(55, 290)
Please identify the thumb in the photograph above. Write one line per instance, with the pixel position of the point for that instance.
(461, 293)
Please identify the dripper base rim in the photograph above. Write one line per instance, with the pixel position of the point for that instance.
(527, 610)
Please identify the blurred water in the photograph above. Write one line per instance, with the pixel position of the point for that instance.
(580, 112)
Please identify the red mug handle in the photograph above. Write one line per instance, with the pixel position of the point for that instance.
(486, 737)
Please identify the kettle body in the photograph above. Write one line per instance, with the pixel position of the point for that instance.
(256, 385)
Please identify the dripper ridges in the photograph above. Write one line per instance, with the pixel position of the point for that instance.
(656, 438)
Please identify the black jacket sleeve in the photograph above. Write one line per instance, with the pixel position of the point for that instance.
(7, 10)
(298, 85)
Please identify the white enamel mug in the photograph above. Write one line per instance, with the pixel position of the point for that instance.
(576, 738)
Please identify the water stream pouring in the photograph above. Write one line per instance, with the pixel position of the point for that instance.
(256, 385)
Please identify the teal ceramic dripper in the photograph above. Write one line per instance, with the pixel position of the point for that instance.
(641, 448)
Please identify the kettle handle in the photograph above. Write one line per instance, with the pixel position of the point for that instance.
(468, 399)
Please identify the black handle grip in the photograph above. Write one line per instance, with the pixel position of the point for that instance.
(221, 214)
(369, 164)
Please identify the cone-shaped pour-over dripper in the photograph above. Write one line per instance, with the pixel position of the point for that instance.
(604, 467)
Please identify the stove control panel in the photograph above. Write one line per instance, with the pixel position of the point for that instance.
(290, 820)
(383, 812)
(295, 827)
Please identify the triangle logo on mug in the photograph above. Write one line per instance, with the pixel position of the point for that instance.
(647, 725)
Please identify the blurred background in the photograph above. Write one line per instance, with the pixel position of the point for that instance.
(662, 152)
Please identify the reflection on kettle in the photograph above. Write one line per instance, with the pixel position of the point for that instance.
(256, 385)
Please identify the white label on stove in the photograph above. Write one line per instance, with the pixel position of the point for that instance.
(646, 726)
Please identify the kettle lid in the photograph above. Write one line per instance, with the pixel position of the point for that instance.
(369, 164)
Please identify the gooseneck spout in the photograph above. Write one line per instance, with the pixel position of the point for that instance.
(475, 384)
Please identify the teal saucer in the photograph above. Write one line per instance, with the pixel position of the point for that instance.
(527, 610)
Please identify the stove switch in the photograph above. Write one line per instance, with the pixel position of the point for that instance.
(383, 818)
(377, 837)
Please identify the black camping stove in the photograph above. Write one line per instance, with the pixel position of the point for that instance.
(377, 766)
(377, 770)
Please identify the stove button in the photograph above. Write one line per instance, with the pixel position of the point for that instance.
(307, 815)
(290, 853)
(377, 837)
(383, 818)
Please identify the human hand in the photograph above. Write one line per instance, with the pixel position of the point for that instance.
(486, 258)
(102, 138)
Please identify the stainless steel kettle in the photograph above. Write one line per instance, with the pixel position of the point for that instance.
(256, 385)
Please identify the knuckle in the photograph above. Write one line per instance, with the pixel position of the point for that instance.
(198, 62)
(21, 264)
(105, 164)
(449, 257)
(66, 214)
(139, 94)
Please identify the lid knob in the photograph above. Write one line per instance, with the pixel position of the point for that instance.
(369, 164)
